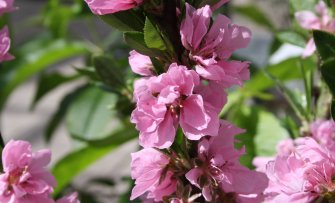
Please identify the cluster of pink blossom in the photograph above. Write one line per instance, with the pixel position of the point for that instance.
(25, 178)
(5, 7)
(304, 169)
(189, 95)
(321, 20)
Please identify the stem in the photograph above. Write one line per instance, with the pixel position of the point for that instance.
(308, 88)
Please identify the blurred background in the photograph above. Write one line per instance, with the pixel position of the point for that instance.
(58, 38)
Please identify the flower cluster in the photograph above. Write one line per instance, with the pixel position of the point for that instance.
(321, 20)
(304, 169)
(5, 7)
(185, 101)
(25, 178)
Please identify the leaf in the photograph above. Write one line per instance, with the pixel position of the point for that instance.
(136, 41)
(47, 83)
(128, 20)
(285, 71)
(89, 118)
(109, 72)
(325, 43)
(152, 37)
(255, 14)
(89, 72)
(37, 58)
(328, 74)
(291, 38)
(299, 5)
(59, 115)
(72, 164)
(269, 133)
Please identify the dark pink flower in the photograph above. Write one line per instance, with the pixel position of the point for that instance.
(210, 46)
(219, 165)
(102, 7)
(170, 99)
(25, 177)
(140, 64)
(6, 6)
(147, 168)
(72, 198)
(5, 45)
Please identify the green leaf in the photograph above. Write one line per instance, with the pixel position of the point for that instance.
(255, 14)
(152, 37)
(269, 133)
(291, 38)
(325, 43)
(328, 74)
(88, 72)
(109, 72)
(136, 41)
(47, 83)
(57, 19)
(60, 113)
(37, 58)
(129, 20)
(299, 5)
(71, 165)
(285, 71)
(90, 118)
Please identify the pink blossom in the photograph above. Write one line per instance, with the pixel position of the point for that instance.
(169, 99)
(140, 64)
(220, 163)
(102, 7)
(25, 178)
(324, 133)
(211, 46)
(72, 198)
(148, 166)
(321, 20)
(303, 176)
(5, 45)
(6, 6)
(219, 4)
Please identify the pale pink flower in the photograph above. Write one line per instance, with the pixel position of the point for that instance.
(211, 46)
(220, 163)
(321, 20)
(169, 99)
(5, 45)
(324, 133)
(148, 166)
(140, 64)
(303, 176)
(72, 198)
(25, 178)
(286, 175)
(6, 6)
(102, 7)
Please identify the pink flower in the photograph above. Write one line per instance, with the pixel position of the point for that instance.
(140, 64)
(219, 165)
(324, 133)
(148, 166)
(25, 178)
(211, 46)
(6, 6)
(310, 21)
(166, 100)
(286, 175)
(5, 45)
(72, 198)
(102, 7)
(303, 176)
(219, 4)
